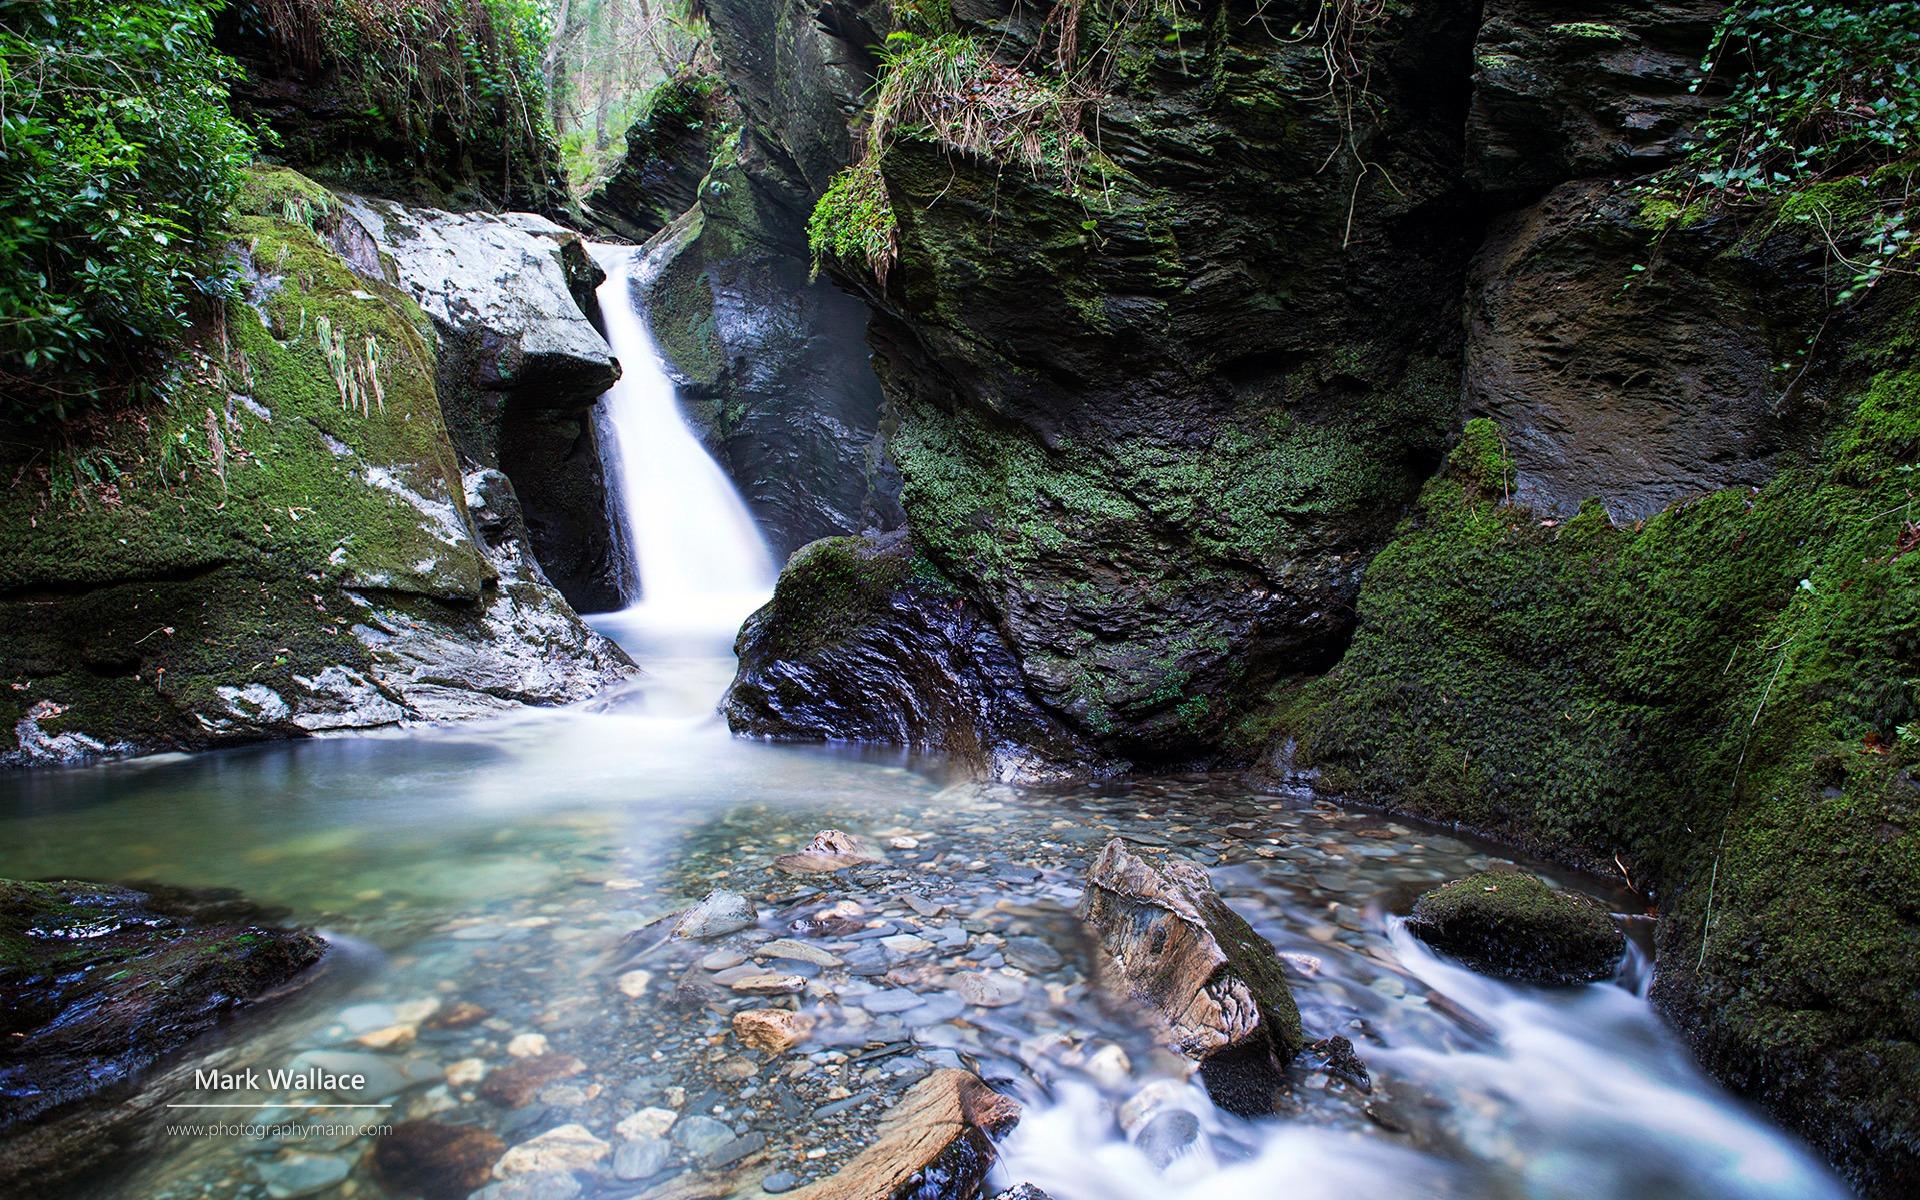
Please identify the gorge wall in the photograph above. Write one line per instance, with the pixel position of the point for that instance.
(1352, 399)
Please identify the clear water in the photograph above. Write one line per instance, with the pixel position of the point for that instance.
(502, 864)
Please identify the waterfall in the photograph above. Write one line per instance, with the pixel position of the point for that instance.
(695, 564)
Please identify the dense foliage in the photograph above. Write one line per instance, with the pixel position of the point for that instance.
(453, 88)
(118, 158)
(1819, 92)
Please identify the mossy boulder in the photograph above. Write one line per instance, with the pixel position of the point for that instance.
(1512, 925)
(98, 984)
(865, 640)
(284, 545)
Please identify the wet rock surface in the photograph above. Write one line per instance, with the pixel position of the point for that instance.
(1513, 925)
(100, 983)
(1175, 945)
(866, 641)
(520, 366)
(773, 369)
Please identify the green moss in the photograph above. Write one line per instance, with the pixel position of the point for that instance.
(853, 221)
(1710, 705)
(1481, 462)
(831, 588)
(1590, 31)
(213, 542)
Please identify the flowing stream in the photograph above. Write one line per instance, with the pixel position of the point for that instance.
(483, 883)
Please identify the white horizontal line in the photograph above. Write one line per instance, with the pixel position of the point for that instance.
(279, 1106)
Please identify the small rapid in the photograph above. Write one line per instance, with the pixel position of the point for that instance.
(695, 564)
(1518, 1092)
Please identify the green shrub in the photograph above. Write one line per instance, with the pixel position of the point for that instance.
(1819, 94)
(118, 159)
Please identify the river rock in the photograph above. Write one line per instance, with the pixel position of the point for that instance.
(1023, 1191)
(564, 1148)
(299, 1173)
(795, 950)
(1167, 1135)
(988, 989)
(771, 1030)
(436, 1160)
(767, 983)
(940, 1134)
(513, 1085)
(1512, 925)
(829, 851)
(1173, 944)
(721, 912)
(641, 1159)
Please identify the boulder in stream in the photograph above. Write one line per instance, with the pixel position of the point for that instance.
(99, 984)
(1172, 943)
(1510, 924)
(866, 641)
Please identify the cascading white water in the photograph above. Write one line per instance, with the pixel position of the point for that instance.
(1571, 1094)
(699, 563)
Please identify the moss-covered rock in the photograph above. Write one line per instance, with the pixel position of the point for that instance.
(670, 146)
(865, 640)
(1718, 703)
(1511, 924)
(285, 546)
(97, 985)
(1153, 418)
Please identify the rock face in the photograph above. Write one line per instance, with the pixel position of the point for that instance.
(772, 367)
(669, 150)
(1637, 385)
(520, 366)
(1514, 926)
(864, 640)
(296, 548)
(1174, 945)
(100, 983)
(1579, 90)
(1154, 436)
(937, 1141)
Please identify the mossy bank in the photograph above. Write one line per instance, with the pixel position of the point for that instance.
(286, 546)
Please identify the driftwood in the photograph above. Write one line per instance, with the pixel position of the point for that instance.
(940, 1134)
